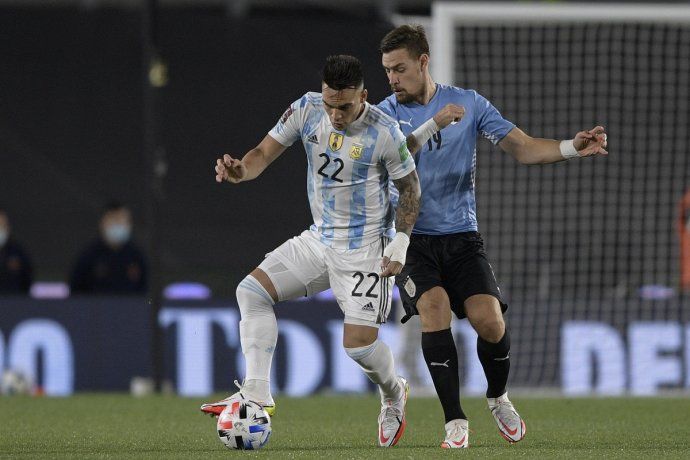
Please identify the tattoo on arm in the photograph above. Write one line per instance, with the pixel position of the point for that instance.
(412, 144)
(408, 203)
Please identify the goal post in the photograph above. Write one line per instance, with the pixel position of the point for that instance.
(448, 16)
(587, 252)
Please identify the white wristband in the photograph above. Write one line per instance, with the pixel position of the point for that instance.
(568, 149)
(425, 131)
(397, 249)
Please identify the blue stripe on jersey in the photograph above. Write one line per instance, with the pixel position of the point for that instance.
(358, 210)
(328, 197)
(310, 126)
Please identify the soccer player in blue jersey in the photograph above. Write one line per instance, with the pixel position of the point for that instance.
(447, 269)
(353, 151)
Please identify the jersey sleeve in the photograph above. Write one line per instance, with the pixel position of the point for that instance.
(490, 123)
(289, 126)
(396, 157)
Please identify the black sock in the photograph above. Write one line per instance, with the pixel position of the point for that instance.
(441, 358)
(495, 359)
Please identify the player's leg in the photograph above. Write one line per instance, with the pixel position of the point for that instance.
(441, 357)
(256, 296)
(493, 341)
(365, 299)
(422, 292)
(493, 348)
(373, 356)
(474, 293)
(293, 270)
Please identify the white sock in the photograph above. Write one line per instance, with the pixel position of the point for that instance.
(376, 360)
(258, 336)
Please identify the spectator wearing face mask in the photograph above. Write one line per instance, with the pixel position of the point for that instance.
(112, 264)
(16, 272)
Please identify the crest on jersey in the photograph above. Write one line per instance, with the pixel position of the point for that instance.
(335, 141)
(356, 151)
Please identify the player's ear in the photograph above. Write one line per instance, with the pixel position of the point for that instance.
(363, 96)
(424, 61)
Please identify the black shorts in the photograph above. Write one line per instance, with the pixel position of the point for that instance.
(457, 263)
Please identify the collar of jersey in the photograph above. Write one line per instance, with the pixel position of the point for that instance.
(414, 103)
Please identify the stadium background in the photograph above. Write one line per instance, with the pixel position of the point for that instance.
(588, 253)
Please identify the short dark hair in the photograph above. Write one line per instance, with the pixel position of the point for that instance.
(409, 36)
(342, 71)
(113, 205)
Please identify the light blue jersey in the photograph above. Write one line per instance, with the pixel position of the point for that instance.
(349, 171)
(446, 163)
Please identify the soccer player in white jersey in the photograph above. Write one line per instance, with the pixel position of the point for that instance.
(447, 269)
(353, 151)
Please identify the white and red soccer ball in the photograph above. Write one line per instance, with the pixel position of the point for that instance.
(243, 425)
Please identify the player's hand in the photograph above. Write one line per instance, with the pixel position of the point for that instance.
(230, 169)
(592, 142)
(390, 268)
(394, 255)
(451, 113)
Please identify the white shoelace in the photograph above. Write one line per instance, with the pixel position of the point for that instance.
(456, 432)
(391, 417)
(507, 413)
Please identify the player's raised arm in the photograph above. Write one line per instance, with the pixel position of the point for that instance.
(531, 150)
(405, 216)
(451, 113)
(251, 165)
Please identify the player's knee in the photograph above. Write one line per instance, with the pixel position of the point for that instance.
(434, 303)
(252, 297)
(491, 329)
(356, 336)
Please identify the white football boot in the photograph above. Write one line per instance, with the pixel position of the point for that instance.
(215, 408)
(510, 425)
(457, 435)
(392, 420)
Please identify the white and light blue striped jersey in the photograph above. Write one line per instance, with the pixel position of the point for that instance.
(446, 164)
(348, 171)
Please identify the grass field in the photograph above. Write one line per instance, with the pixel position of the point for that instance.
(334, 427)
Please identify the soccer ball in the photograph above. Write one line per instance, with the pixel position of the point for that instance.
(14, 383)
(243, 424)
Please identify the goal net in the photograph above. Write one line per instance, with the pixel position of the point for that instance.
(591, 254)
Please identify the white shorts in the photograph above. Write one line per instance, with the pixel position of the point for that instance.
(304, 266)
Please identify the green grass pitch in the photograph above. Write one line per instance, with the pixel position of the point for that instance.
(335, 427)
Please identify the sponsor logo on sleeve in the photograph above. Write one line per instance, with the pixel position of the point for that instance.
(403, 151)
(287, 114)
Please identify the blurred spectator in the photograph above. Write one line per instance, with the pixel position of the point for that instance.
(112, 264)
(16, 272)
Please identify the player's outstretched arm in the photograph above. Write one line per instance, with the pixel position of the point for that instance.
(451, 113)
(531, 150)
(405, 217)
(251, 165)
